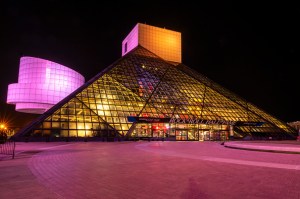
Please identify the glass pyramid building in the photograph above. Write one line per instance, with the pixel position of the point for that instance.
(149, 93)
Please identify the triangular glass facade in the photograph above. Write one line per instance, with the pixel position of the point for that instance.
(183, 104)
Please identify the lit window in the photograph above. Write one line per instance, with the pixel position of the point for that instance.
(125, 47)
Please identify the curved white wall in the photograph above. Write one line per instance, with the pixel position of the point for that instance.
(41, 84)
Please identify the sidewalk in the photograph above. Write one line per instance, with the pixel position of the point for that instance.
(286, 146)
(145, 170)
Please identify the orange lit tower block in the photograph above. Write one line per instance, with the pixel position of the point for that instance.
(164, 43)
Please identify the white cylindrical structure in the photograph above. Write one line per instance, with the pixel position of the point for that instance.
(41, 84)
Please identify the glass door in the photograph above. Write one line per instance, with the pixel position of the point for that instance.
(193, 135)
(181, 134)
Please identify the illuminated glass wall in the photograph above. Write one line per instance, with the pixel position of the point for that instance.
(143, 85)
(41, 84)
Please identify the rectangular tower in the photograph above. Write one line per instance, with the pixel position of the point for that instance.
(162, 42)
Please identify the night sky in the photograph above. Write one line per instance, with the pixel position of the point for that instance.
(250, 49)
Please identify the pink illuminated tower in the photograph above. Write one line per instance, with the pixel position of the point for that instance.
(41, 84)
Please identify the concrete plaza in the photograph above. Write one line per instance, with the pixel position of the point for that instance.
(148, 170)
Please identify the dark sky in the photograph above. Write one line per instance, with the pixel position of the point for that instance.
(250, 49)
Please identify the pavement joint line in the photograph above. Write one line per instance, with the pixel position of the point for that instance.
(263, 150)
(44, 148)
(223, 160)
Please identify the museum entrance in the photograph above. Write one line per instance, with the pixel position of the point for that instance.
(187, 134)
(153, 130)
(181, 135)
(180, 132)
(213, 135)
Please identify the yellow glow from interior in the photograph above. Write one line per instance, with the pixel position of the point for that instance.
(88, 125)
(102, 107)
(81, 133)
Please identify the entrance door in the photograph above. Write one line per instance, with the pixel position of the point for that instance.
(206, 135)
(193, 135)
(202, 135)
(181, 134)
(158, 133)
